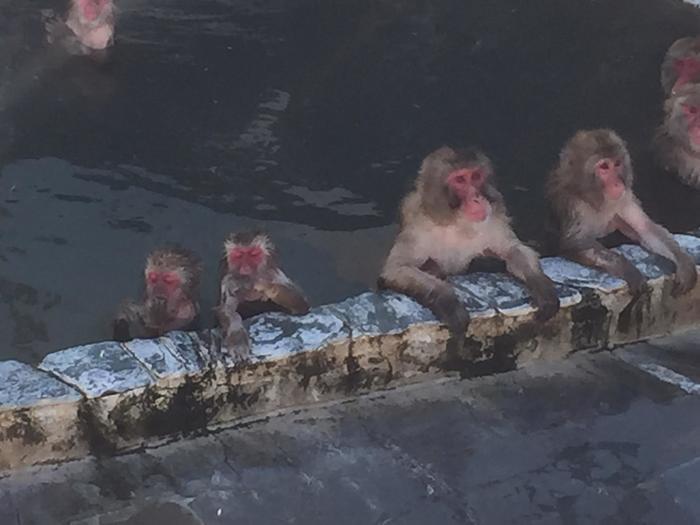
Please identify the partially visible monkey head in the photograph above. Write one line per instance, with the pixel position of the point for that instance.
(683, 118)
(248, 253)
(596, 159)
(681, 66)
(92, 10)
(455, 180)
(171, 275)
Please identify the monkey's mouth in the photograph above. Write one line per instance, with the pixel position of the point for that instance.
(246, 269)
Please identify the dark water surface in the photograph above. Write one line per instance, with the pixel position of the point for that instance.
(306, 117)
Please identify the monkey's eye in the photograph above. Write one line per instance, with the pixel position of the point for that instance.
(604, 166)
(255, 252)
(170, 278)
(460, 179)
(477, 177)
(693, 110)
(618, 163)
(152, 277)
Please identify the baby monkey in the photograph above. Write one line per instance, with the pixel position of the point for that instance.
(170, 300)
(454, 214)
(252, 282)
(591, 195)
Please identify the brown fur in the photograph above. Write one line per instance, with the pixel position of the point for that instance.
(672, 146)
(682, 48)
(585, 214)
(241, 296)
(149, 317)
(437, 239)
(80, 36)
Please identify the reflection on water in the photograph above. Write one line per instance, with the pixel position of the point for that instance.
(308, 118)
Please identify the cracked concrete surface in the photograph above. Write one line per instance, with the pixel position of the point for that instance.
(595, 438)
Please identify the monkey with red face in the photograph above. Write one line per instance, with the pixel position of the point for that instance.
(170, 299)
(87, 30)
(455, 214)
(681, 65)
(677, 141)
(252, 282)
(591, 195)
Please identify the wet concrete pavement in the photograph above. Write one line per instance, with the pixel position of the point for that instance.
(307, 118)
(598, 438)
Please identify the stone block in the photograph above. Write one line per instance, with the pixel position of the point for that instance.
(651, 265)
(38, 417)
(98, 369)
(506, 294)
(576, 275)
(380, 313)
(164, 356)
(276, 335)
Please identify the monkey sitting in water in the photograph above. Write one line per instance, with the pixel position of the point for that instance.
(591, 194)
(455, 214)
(170, 300)
(681, 65)
(252, 282)
(88, 28)
(677, 141)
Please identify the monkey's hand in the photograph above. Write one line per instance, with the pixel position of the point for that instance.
(455, 316)
(547, 307)
(686, 275)
(237, 345)
(120, 330)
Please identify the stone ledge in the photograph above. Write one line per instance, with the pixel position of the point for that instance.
(108, 397)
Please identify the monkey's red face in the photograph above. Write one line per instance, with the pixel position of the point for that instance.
(246, 260)
(466, 184)
(91, 9)
(691, 111)
(687, 71)
(162, 284)
(610, 171)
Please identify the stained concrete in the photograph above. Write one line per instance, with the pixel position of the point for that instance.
(596, 438)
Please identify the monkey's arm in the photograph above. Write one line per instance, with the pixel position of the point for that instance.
(657, 239)
(282, 291)
(401, 273)
(58, 32)
(589, 252)
(233, 334)
(524, 263)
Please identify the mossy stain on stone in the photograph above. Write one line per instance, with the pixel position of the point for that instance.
(590, 322)
(25, 429)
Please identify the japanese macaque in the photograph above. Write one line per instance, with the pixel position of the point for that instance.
(591, 196)
(170, 300)
(454, 214)
(88, 28)
(677, 141)
(681, 65)
(252, 282)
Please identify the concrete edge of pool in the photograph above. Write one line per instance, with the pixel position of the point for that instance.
(108, 397)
